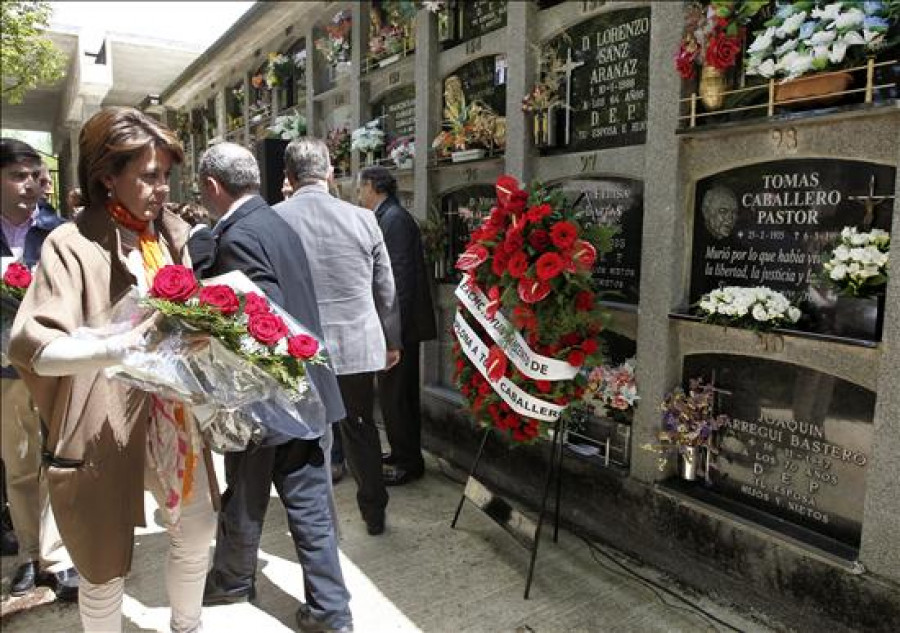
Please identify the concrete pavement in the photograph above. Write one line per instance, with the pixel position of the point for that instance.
(421, 575)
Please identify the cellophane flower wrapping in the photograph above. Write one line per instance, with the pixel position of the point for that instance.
(237, 398)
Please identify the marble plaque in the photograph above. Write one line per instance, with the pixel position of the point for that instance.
(606, 70)
(478, 17)
(798, 443)
(484, 80)
(617, 202)
(397, 110)
(463, 211)
(769, 224)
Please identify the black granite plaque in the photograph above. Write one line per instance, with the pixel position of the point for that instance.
(397, 110)
(798, 443)
(484, 80)
(617, 202)
(463, 210)
(606, 61)
(768, 224)
(478, 17)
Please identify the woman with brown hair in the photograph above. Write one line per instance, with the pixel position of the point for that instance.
(106, 441)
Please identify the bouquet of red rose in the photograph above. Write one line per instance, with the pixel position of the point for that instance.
(528, 318)
(247, 380)
(15, 281)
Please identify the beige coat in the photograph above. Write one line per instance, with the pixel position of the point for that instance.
(96, 427)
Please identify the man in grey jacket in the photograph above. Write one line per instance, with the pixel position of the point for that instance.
(358, 307)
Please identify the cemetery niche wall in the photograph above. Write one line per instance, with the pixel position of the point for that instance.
(796, 447)
(463, 210)
(769, 224)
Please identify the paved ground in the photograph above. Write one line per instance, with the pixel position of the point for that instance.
(421, 575)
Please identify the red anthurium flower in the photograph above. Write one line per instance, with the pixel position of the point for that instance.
(493, 302)
(563, 234)
(544, 386)
(505, 186)
(533, 290)
(584, 254)
(496, 363)
(539, 212)
(517, 203)
(548, 266)
(472, 257)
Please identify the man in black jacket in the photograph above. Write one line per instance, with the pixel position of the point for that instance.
(252, 239)
(398, 388)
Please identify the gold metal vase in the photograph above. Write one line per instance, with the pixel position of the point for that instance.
(713, 84)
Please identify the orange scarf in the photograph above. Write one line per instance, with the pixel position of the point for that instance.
(153, 259)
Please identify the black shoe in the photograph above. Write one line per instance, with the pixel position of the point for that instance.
(387, 458)
(308, 623)
(396, 476)
(25, 579)
(215, 596)
(375, 525)
(65, 585)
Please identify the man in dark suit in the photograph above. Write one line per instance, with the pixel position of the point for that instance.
(398, 388)
(252, 239)
(357, 306)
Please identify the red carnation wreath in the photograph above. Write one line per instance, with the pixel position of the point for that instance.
(529, 265)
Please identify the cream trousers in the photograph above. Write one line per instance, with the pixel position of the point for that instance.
(100, 606)
(29, 501)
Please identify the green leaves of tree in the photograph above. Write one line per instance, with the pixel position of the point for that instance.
(27, 56)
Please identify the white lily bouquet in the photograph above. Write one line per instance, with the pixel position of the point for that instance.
(812, 36)
(758, 308)
(858, 265)
(368, 138)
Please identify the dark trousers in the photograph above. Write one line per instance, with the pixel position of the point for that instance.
(401, 408)
(297, 470)
(362, 446)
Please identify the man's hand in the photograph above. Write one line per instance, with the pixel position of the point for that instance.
(393, 357)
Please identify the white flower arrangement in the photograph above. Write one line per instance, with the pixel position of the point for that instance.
(858, 265)
(434, 6)
(758, 308)
(812, 36)
(368, 138)
(403, 150)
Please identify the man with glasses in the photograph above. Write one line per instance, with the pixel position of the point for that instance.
(25, 225)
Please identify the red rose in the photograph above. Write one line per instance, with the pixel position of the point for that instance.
(518, 264)
(575, 358)
(266, 328)
(539, 212)
(495, 363)
(513, 242)
(543, 386)
(548, 266)
(584, 301)
(221, 298)
(505, 186)
(563, 234)
(589, 346)
(539, 240)
(524, 318)
(722, 51)
(570, 339)
(684, 62)
(498, 264)
(17, 276)
(302, 346)
(255, 304)
(472, 257)
(174, 283)
(533, 290)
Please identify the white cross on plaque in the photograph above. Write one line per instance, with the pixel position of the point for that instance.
(567, 68)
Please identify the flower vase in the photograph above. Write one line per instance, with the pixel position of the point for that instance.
(817, 89)
(540, 128)
(406, 163)
(691, 462)
(712, 88)
(859, 317)
(466, 155)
